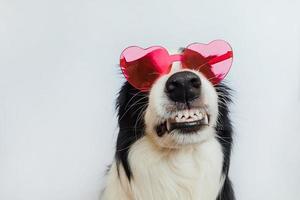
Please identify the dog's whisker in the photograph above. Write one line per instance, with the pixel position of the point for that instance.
(134, 104)
(137, 94)
(139, 118)
(222, 139)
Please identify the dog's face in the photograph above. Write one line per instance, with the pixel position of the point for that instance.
(182, 108)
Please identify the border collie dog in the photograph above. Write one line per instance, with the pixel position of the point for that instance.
(174, 141)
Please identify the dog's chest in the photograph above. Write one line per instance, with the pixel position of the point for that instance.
(192, 173)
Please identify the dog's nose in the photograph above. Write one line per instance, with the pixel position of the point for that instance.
(183, 86)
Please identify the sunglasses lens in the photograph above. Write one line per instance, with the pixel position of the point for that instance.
(213, 60)
(141, 67)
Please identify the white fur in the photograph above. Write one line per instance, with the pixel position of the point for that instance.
(189, 173)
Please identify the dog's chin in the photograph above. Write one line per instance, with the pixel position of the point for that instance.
(181, 138)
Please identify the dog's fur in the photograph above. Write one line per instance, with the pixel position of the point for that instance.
(172, 165)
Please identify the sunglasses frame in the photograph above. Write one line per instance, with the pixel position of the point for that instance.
(156, 61)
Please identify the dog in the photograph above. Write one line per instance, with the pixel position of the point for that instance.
(174, 140)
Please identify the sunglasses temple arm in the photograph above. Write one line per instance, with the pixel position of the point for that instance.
(221, 58)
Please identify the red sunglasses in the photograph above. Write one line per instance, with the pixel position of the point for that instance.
(142, 67)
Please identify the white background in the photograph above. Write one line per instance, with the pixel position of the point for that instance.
(59, 79)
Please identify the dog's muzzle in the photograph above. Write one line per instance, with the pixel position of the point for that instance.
(182, 89)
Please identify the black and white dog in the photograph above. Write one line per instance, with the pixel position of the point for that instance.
(174, 141)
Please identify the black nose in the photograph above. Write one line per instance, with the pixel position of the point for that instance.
(183, 87)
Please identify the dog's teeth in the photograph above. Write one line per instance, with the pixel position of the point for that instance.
(191, 113)
(186, 114)
(183, 119)
(205, 119)
(179, 115)
(190, 120)
(180, 119)
(195, 117)
(195, 114)
(200, 115)
(168, 125)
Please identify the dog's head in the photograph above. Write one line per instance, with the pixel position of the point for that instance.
(181, 108)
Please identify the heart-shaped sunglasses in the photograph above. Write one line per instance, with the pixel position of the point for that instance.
(142, 67)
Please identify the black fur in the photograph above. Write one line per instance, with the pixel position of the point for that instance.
(224, 132)
(131, 105)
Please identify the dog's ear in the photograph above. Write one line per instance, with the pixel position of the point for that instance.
(224, 124)
(131, 105)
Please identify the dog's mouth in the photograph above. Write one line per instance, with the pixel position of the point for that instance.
(185, 121)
